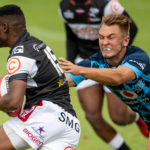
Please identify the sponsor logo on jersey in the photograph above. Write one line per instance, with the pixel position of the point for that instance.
(69, 121)
(93, 12)
(39, 131)
(68, 148)
(93, 15)
(32, 137)
(68, 14)
(60, 82)
(129, 94)
(39, 47)
(13, 65)
(141, 65)
(116, 7)
(35, 47)
(80, 11)
(137, 101)
(18, 49)
(27, 112)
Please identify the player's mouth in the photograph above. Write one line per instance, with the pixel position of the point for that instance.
(107, 49)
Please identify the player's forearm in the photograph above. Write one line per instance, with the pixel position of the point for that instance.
(101, 75)
(106, 76)
(6, 103)
(70, 81)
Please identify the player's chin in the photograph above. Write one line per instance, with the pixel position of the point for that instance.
(14, 113)
(107, 56)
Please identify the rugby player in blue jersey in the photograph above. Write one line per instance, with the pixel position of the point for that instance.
(82, 19)
(124, 69)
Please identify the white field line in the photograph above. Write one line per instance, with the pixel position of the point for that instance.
(47, 33)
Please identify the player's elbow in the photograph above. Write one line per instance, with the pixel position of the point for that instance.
(13, 103)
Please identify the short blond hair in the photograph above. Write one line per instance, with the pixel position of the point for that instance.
(117, 19)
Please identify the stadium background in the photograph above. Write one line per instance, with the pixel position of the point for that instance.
(43, 21)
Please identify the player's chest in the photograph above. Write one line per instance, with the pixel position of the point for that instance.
(82, 14)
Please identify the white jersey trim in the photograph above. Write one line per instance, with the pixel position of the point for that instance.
(21, 64)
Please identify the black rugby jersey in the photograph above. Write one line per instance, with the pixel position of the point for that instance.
(82, 22)
(34, 62)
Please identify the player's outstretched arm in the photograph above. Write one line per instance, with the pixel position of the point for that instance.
(106, 76)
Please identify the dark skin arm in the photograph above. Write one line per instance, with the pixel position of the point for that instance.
(14, 98)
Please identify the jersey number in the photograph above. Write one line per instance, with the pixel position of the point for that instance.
(53, 60)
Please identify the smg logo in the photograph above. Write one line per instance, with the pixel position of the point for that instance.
(69, 121)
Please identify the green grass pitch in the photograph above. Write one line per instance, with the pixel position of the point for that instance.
(44, 22)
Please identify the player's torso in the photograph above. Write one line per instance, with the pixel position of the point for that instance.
(84, 20)
(36, 63)
(136, 93)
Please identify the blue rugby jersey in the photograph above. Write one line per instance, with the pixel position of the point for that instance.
(135, 93)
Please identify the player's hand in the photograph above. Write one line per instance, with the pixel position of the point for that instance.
(69, 66)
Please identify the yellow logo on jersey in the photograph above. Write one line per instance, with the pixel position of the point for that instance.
(60, 82)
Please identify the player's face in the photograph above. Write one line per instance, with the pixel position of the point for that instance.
(112, 42)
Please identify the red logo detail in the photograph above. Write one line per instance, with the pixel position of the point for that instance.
(80, 11)
(27, 112)
(128, 94)
(32, 137)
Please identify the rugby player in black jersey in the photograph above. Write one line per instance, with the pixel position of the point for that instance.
(48, 121)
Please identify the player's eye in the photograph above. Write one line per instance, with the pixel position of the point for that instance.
(101, 37)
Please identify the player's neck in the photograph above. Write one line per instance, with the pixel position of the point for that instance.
(14, 37)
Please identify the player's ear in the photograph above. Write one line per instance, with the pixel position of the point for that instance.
(5, 27)
(126, 41)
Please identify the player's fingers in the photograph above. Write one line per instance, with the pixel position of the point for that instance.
(68, 71)
(62, 59)
(63, 63)
(66, 68)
